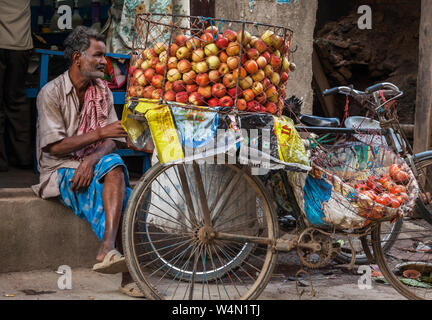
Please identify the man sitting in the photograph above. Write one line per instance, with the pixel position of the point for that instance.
(77, 131)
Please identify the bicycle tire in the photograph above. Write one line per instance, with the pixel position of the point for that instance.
(239, 258)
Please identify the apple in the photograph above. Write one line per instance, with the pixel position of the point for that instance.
(214, 76)
(267, 56)
(277, 53)
(211, 50)
(201, 67)
(173, 75)
(243, 73)
(193, 43)
(253, 106)
(266, 83)
(148, 54)
(145, 65)
(183, 53)
(275, 78)
(168, 86)
(229, 81)
(223, 69)
(163, 57)
(282, 92)
(213, 62)
(248, 95)
(156, 94)
(230, 35)
(191, 88)
(196, 99)
(246, 38)
(246, 83)
(189, 77)
(272, 95)
(259, 75)
(207, 38)
(284, 77)
(267, 37)
(180, 40)
(148, 92)
(202, 79)
(222, 42)
(206, 91)
(173, 49)
(182, 97)
(251, 66)
(241, 104)
(275, 61)
(253, 40)
(198, 55)
(154, 61)
(233, 49)
(271, 107)
(261, 98)
(139, 77)
(233, 91)
(213, 102)
(257, 88)
(226, 101)
(253, 54)
(233, 62)
(159, 47)
(160, 68)
(285, 64)
(138, 62)
(218, 90)
(184, 66)
(178, 86)
(157, 81)
(261, 62)
(223, 57)
(132, 91)
(260, 45)
(172, 63)
(169, 96)
(212, 29)
(140, 91)
(268, 70)
(277, 41)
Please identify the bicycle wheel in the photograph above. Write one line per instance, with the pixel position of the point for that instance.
(174, 252)
(408, 265)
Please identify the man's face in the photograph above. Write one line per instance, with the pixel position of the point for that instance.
(93, 60)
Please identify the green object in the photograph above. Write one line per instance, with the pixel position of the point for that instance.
(415, 283)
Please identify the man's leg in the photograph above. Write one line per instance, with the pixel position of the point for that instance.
(17, 107)
(3, 156)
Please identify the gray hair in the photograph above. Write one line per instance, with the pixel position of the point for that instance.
(79, 41)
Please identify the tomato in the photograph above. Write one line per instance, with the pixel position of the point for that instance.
(361, 187)
(397, 189)
(401, 176)
(394, 203)
(369, 193)
(388, 185)
(373, 184)
(394, 168)
(384, 199)
(384, 178)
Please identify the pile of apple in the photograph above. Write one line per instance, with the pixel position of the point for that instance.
(203, 71)
(389, 189)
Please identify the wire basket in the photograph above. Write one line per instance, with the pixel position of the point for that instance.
(222, 65)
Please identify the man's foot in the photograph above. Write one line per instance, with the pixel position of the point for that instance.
(113, 262)
(132, 290)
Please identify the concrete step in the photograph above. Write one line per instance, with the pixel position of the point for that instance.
(42, 234)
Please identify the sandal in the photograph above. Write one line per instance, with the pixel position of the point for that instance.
(132, 290)
(114, 262)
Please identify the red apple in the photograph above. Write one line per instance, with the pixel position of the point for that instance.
(182, 97)
(261, 62)
(156, 94)
(222, 42)
(244, 58)
(172, 63)
(243, 73)
(207, 38)
(173, 49)
(193, 43)
(149, 73)
(226, 101)
(275, 61)
(178, 86)
(148, 92)
(132, 91)
(272, 94)
(191, 88)
(170, 96)
(260, 45)
(229, 81)
(284, 77)
(212, 29)
(251, 66)
(246, 38)
(267, 56)
(253, 54)
(233, 62)
(180, 40)
(213, 102)
(168, 86)
(184, 66)
(233, 49)
(248, 95)
(241, 104)
(157, 81)
(230, 35)
(202, 79)
(223, 69)
(189, 77)
(271, 108)
(160, 68)
(139, 77)
(223, 57)
(277, 42)
(232, 92)
(196, 99)
(173, 75)
(253, 106)
(266, 83)
(154, 61)
(214, 76)
(261, 98)
(198, 55)
(218, 90)
(206, 91)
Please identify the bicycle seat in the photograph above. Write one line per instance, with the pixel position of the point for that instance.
(315, 121)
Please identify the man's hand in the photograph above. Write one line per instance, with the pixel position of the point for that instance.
(83, 175)
(113, 130)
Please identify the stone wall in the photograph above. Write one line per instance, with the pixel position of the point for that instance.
(299, 17)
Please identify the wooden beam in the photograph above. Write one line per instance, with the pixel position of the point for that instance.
(205, 8)
(321, 84)
(423, 113)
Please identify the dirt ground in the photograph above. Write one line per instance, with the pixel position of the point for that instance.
(334, 282)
